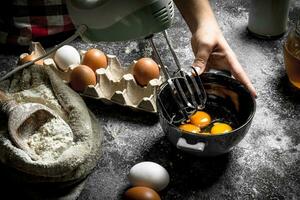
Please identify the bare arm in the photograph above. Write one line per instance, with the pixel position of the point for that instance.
(208, 43)
(195, 11)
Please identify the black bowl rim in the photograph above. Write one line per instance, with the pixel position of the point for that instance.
(251, 116)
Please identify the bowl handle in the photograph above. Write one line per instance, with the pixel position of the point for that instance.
(182, 144)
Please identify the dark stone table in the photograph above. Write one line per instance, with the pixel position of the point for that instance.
(265, 165)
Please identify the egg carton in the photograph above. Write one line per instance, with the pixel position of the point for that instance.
(115, 84)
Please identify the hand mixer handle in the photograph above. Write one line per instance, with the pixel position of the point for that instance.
(163, 67)
(7, 104)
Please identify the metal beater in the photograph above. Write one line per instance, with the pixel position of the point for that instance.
(186, 88)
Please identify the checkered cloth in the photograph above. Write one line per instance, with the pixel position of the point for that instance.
(32, 20)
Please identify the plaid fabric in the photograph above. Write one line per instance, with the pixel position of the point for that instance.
(32, 20)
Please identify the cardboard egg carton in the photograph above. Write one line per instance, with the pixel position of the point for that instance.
(116, 84)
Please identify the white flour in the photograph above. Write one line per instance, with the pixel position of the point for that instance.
(40, 94)
(53, 137)
(51, 140)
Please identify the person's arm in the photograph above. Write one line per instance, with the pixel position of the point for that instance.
(208, 43)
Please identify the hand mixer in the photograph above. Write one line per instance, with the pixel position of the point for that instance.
(115, 20)
(186, 88)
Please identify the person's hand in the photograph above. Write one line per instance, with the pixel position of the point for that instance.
(212, 51)
(208, 43)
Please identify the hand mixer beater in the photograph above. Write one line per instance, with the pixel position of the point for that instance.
(185, 88)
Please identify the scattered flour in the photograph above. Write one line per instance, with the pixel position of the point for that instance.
(51, 140)
(132, 47)
(266, 151)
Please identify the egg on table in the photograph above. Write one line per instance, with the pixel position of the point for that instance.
(81, 77)
(141, 193)
(144, 70)
(95, 59)
(66, 56)
(149, 174)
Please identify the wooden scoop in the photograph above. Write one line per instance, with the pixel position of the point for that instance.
(24, 120)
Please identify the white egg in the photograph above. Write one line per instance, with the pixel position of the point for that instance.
(66, 56)
(149, 174)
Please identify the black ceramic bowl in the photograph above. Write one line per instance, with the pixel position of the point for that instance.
(227, 101)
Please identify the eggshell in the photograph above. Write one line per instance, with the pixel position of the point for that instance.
(66, 56)
(29, 57)
(81, 77)
(95, 59)
(141, 193)
(149, 174)
(144, 70)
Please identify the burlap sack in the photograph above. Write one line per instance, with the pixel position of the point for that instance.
(41, 85)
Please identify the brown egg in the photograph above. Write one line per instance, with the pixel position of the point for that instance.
(141, 193)
(81, 77)
(95, 59)
(144, 70)
(29, 58)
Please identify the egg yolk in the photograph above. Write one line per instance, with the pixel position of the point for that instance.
(190, 128)
(220, 128)
(201, 119)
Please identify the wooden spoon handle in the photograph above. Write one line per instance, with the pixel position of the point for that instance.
(6, 103)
